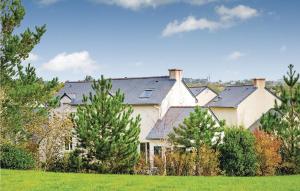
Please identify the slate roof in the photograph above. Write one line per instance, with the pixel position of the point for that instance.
(173, 117)
(232, 96)
(131, 87)
(197, 90)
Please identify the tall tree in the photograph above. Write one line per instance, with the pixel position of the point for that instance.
(25, 98)
(106, 129)
(196, 131)
(284, 121)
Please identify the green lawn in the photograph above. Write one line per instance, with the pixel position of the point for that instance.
(36, 180)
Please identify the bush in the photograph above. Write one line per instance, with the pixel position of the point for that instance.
(75, 163)
(209, 161)
(142, 167)
(180, 163)
(267, 149)
(12, 157)
(238, 157)
(159, 165)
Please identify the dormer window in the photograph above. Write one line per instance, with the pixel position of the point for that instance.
(146, 93)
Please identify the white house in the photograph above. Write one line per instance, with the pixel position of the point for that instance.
(243, 105)
(164, 101)
(204, 94)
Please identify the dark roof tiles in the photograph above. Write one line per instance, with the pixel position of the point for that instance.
(197, 90)
(131, 87)
(173, 117)
(232, 96)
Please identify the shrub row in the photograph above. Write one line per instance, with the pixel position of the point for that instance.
(15, 158)
(242, 153)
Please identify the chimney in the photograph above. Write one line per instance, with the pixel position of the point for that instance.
(259, 82)
(175, 74)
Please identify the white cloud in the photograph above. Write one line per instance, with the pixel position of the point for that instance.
(235, 55)
(228, 18)
(189, 24)
(138, 4)
(283, 48)
(47, 2)
(77, 62)
(239, 12)
(32, 57)
(199, 2)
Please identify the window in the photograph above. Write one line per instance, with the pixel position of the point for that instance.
(146, 93)
(68, 144)
(157, 150)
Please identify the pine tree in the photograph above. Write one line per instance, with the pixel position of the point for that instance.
(106, 129)
(196, 131)
(285, 120)
(22, 91)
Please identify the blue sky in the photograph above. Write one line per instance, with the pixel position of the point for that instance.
(223, 39)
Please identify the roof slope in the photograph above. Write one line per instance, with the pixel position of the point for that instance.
(197, 90)
(232, 96)
(173, 117)
(133, 88)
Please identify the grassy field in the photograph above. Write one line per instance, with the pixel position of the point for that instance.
(36, 180)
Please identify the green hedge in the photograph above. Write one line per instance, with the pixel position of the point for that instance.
(238, 157)
(12, 157)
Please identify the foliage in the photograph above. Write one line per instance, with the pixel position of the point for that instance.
(142, 166)
(238, 157)
(180, 163)
(209, 161)
(51, 139)
(107, 130)
(267, 149)
(25, 98)
(197, 130)
(159, 164)
(75, 163)
(15, 158)
(284, 121)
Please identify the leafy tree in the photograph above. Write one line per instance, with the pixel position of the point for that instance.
(267, 149)
(107, 130)
(197, 130)
(52, 138)
(25, 98)
(238, 157)
(284, 121)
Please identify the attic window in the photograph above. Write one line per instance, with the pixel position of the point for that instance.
(146, 93)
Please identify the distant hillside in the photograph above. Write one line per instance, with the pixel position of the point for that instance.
(219, 85)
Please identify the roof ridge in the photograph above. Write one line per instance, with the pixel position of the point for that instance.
(124, 78)
(199, 86)
(239, 85)
(147, 77)
(182, 106)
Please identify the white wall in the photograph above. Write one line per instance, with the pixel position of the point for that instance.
(227, 114)
(179, 95)
(149, 115)
(256, 104)
(205, 96)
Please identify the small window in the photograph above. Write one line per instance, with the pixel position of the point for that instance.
(157, 150)
(146, 93)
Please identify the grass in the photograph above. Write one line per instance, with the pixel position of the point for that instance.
(39, 180)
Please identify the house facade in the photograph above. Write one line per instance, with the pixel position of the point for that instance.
(243, 105)
(204, 94)
(164, 101)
